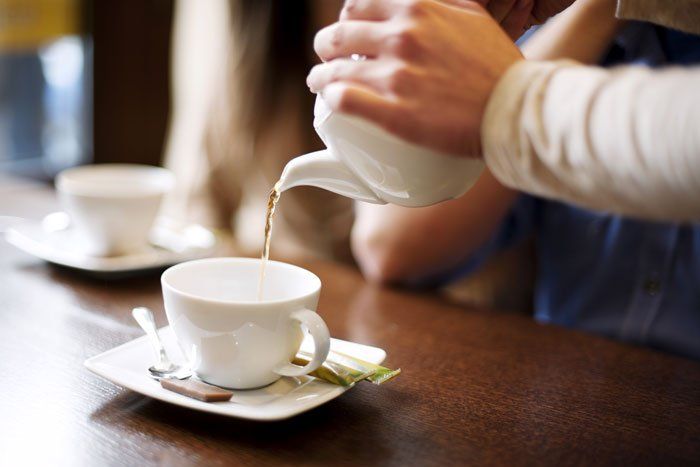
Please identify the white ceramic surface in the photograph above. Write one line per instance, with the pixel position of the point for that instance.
(230, 338)
(113, 206)
(126, 366)
(365, 162)
(52, 239)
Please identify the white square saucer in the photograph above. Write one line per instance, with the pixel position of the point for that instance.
(127, 365)
(53, 240)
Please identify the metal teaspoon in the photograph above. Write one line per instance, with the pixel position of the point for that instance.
(163, 368)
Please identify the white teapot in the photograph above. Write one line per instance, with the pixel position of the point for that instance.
(365, 162)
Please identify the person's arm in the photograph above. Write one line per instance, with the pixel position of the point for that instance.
(625, 140)
(583, 32)
(393, 244)
(631, 118)
(447, 77)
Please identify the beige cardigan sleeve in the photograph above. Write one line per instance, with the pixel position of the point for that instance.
(623, 140)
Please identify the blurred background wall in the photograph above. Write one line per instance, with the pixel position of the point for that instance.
(81, 81)
(131, 75)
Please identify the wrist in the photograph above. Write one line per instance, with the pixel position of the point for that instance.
(496, 84)
(514, 110)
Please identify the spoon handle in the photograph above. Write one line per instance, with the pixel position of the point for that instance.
(145, 318)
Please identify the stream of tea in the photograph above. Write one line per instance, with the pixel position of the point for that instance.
(271, 206)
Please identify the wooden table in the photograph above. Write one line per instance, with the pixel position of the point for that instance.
(478, 387)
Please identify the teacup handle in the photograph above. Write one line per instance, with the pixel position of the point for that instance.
(322, 344)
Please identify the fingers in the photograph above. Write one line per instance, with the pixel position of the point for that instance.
(371, 10)
(340, 69)
(499, 9)
(366, 35)
(385, 77)
(542, 11)
(509, 13)
(348, 37)
(466, 4)
(518, 19)
(357, 100)
(379, 10)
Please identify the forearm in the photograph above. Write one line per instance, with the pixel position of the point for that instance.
(583, 33)
(624, 140)
(395, 244)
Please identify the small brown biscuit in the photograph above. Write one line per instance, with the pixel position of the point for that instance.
(196, 390)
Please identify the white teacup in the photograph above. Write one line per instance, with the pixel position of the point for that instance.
(113, 206)
(230, 338)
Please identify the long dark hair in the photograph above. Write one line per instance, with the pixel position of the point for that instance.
(263, 89)
(272, 39)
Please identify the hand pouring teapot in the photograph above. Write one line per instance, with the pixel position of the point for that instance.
(364, 162)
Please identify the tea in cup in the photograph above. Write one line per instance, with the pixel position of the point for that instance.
(228, 336)
(112, 207)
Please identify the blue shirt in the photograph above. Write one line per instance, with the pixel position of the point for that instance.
(628, 279)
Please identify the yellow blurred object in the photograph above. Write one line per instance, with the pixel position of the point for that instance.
(27, 24)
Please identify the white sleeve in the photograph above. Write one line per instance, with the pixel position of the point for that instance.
(623, 140)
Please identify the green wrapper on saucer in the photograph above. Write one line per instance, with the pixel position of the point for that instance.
(333, 372)
(346, 370)
(379, 375)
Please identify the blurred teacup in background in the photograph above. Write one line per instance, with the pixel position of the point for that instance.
(112, 207)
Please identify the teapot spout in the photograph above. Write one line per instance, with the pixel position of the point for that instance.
(321, 169)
